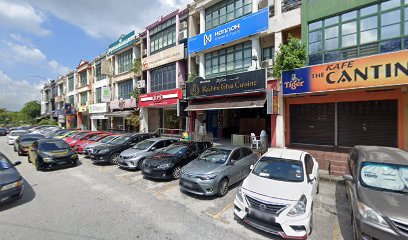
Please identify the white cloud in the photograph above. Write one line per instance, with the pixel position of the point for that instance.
(58, 68)
(22, 16)
(107, 18)
(17, 92)
(22, 53)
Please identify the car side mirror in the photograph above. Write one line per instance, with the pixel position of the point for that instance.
(310, 178)
(348, 178)
(153, 149)
(17, 163)
(251, 167)
(231, 162)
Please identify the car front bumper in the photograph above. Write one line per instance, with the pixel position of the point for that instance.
(371, 231)
(130, 164)
(279, 224)
(60, 163)
(11, 141)
(99, 158)
(198, 186)
(156, 173)
(11, 194)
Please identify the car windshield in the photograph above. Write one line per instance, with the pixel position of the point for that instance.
(175, 149)
(72, 134)
(215, 155)
(80, 135)
(383, 176)
(52, 146)
(279, 169)
(120, 140)
(108, 139)
(17, 133)
(94, 137)
(143, 145)
(30, 138)
(61, 133)
(5, 164)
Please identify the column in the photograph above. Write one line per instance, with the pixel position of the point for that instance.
(280, 118)
(144, 119)
(177, 29)
(201, 65)
(254, 6)
(148, 42)
(148, 81)
(278, 41)
(278, 7)
(202, 20)
(256, 51)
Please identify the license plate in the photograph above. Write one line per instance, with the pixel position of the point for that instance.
(148, 170)
(61, 163)
(262, 216)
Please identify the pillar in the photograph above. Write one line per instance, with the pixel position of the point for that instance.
(201, 65)
(278, 7)
(202, 20)
(148, 81)
(144, 119)
(254, 6)
(148, 42)
(280, 118)
(256, 51)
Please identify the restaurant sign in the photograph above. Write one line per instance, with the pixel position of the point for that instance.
(246, 82)
(164, 98)
(375, 71)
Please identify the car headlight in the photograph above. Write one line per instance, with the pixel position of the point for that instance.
(47, 159)
(240, 195)
(207, 177)
(164, 166)
(370, 215)
(299, 208)
(11, 185)
(74, 155)
(103, 151)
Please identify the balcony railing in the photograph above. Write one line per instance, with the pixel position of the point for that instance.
(288, 5)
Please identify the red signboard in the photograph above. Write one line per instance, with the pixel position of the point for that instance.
(164, 98)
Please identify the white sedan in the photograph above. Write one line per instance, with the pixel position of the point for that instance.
(277, 196)
(13, 135)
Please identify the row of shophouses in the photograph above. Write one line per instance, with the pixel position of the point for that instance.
(208, 68)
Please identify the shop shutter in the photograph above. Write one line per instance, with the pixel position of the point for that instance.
(368, 123)
(312, 124)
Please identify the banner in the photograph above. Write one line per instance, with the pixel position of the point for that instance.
(164, 57)
(252, 81)
(236, 29)
(374, 71)
(105, 94)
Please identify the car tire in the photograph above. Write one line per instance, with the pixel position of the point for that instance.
(19, 153)
(318, 188)
(223, 187)
(37, 167)
(176, 172)
(114, 158)
(140, 164)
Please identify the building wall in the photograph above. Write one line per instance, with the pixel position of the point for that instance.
(154, 119)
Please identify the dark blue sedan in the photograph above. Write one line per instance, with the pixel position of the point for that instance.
(11, 182)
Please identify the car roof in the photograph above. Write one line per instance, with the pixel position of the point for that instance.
(31, 135)
(50, 140)
(381, 154)
(228, 147)
(19, 131)
(157, 139)
(285, 153)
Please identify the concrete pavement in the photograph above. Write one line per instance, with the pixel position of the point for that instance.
(104, 202)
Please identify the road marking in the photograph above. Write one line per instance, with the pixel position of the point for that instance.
(218, 216)
(336, 231)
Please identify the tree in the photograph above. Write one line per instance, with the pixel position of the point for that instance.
(290, 56)
(31, 109)
(47, 121)
(137, 66)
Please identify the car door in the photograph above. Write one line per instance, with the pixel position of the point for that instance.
(310, 173)
(247, 159)
(190, 155)
(234, 166)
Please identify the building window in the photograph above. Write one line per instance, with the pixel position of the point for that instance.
(84, 98)
(98, 71)
(125, 88)
(83, 78)
(71, 99)
(71, 82)
(98, 97)
(163, 78)
(164, 38)
(125, 61)
(367, 31)
(268, 53)
(226, 11)
(229, 60)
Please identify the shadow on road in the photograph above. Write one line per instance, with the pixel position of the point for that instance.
(28, 196)
(343, 211)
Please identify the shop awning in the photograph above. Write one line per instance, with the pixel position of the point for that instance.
(119, 114)
(227, 103)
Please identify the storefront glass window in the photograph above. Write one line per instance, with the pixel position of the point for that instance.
(125, 61)
(226, 11)
(71, 82)
(163, 78)
(98, 95)
(170, 119)
(125, 88)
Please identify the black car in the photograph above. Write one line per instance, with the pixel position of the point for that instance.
(3, 132)
(23, 142)
(110, 153)
(11, 182)
(51, 153)
(167, 164)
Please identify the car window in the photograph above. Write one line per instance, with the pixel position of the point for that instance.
(309, 164)
(135, 139)
(160, 144)
(279, 169)
(191, 149)
(4, 163)
(202, 146)
(235, 156)
(244, 152)
(169, 142)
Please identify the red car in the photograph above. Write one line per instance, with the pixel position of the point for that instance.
(86, 136)
(81, 144)
(75, 137)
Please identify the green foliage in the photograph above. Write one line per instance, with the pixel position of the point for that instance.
(191, 77)
(47, 121)
(290, 56)
(31, 109)
(135, 93)
(137, 66)
(134, 120)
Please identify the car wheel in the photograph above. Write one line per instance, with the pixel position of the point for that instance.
(176, 172)
(75, 163)
(223, 187)
(356, 232)
(114, 158)
(140, 164)
(37, 167)
(15, 149)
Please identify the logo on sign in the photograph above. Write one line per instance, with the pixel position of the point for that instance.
(294, 83)
(157, 98)
(207, 39)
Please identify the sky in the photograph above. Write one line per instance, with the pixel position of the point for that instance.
(42, 39)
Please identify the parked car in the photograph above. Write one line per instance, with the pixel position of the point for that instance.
(167, 164)
(87, 136)
(56, 132)
(12, 137)
(75, 137)
(377, 190)
(11, 182)
(66, 134)
(51, 153)
(80, 144)
(3, 131)
(216, 169)
(88, 149)
(110, 153)
(24, 141)
(277, 196)
(133, 157)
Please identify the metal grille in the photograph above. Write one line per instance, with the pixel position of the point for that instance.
(264, 206)
(400, 225)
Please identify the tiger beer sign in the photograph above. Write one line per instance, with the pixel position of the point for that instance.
(375, 71)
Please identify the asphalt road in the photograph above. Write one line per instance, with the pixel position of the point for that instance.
(104, 202)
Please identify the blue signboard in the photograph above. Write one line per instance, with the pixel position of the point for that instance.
(239, 28)
(122, 42)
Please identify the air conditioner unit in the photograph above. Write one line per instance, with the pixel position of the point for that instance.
(183, 34)
(144, 52)
(197, 60)
(141, 84)
(183, 25)
(267, 63)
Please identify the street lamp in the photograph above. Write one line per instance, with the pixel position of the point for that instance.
(255, 58)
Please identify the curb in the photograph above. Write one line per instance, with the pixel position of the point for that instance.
(325, 176)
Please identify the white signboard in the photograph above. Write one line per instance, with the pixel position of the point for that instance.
(98, 108)
(105, 94)
(166, 56)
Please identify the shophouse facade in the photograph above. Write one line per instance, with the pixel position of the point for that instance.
(84, 94)
(48, 94)
(232, 46)
(354, 89)
(122, 54)
(60, 100)
(71, 100)
(164, 67)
